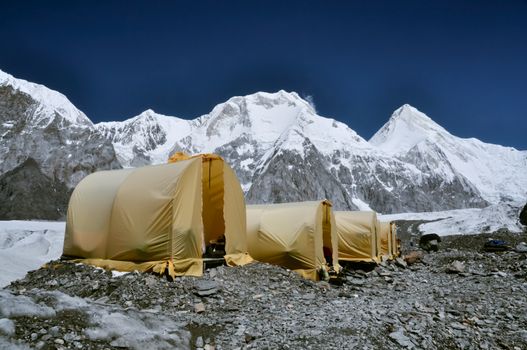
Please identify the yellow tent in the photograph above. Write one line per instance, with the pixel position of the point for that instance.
(297, 236)
(158, 218)
(358, 236)
(386, 239)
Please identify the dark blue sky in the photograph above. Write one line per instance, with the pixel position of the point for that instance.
(464, 63)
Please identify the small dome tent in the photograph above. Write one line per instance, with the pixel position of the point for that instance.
(358, 236)
(299, 236)
(158, 218)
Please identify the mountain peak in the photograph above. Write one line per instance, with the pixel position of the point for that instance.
(410, 113)
(407, 127)
(51, 101)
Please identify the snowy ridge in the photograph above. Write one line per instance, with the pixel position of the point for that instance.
(254, 132)
(280, 148)
(150, 134)
(42, 124)
(50, 101)
(498, 172)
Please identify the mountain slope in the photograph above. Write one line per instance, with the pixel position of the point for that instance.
(146, 138)
(283, 151)
(280, 148)
(39, 123)
(498, 172)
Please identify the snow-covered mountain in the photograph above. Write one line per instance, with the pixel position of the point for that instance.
(280, 148)
(41, 124)
(499, 173)
(145, 139)
(283, 151)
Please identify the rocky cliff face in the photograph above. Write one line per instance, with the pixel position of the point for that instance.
(43, 125)
(280, 148)
(26, 193)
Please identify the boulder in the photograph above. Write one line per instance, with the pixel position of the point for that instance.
(521, 247)
(455, 267)
(523, 215)
(413, 257)
(430, 242)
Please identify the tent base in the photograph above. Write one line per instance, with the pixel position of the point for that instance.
(186, 267)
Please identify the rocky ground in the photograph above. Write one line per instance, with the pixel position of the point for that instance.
(457, 298)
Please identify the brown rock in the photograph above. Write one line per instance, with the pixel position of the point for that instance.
(413, 257)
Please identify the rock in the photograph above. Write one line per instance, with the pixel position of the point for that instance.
(458, 326)
(521, 247)
(199, 342)
(401, 263)
(413, 257)
(7, 327)
(523, 215)
(309, 296)
(205, 288)
(401, 339)
(54, 331)
(199, 308)
(455, 267)
(59, 341)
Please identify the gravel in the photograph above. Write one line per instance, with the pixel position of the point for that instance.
(260, 306)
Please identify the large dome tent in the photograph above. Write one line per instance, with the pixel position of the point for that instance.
(158, 218)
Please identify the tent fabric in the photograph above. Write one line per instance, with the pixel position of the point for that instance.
(386, 239)
(358, 236)
(293, 235)
(157, 218)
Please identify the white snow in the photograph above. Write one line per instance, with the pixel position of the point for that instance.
(465, 221)
(7, 326)
(119, 327)
(497, 172)
(50, 101)
(141, 131)
(119, 273)
(361, 204)
(27, 245)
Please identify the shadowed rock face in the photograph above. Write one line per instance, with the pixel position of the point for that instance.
(63, 150)
(26, 193)
(291, 177)
(523, 215)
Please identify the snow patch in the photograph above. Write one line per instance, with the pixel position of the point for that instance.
(27, 245)
(465, 221)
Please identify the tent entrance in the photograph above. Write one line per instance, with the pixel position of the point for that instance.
(326, 233)
(212, 207)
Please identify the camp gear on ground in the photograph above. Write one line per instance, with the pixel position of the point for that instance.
(429, 242)
(496, 245)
